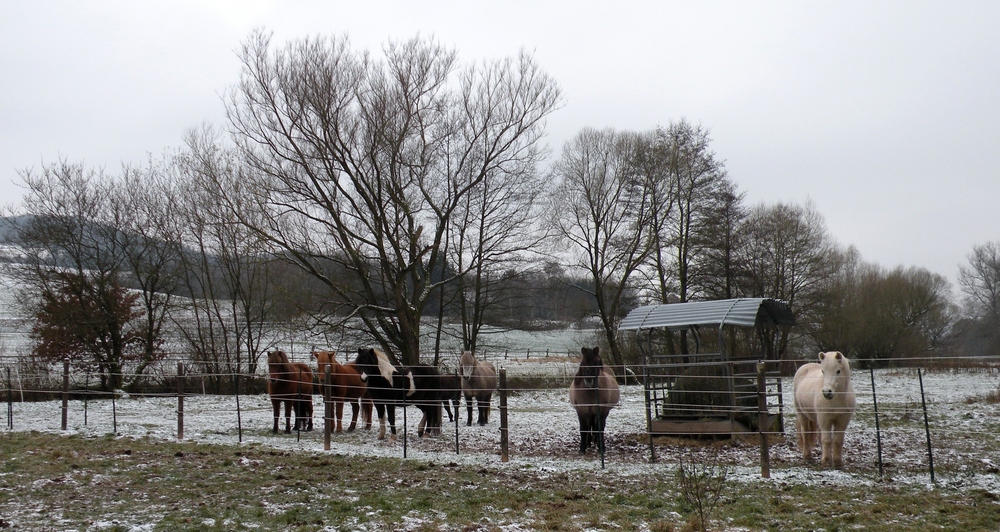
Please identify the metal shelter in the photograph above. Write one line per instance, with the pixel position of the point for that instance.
(695, 393)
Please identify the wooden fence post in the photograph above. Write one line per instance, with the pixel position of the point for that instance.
(10, 402)
(762, 421)
(65, 394)
(86, 396)
(327, 407)
(180, 400)
(504, 454)
(239, 411)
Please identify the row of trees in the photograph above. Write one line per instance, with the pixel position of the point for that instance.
(355, 193)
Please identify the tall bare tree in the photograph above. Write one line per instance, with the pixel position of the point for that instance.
(362, 163)
(494, 232)
(141, 200)
(698, 180)
(979, 281)
(228, 269)
(787, 254)
(601, 208)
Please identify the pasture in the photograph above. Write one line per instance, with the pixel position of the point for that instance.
(143, 479)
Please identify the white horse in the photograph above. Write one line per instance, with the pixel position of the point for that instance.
(824, 403)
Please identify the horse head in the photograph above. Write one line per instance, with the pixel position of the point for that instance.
(372, 359)
(466, 365)
(836, 373)
(324, 359)
(591, 367)
(277, 363)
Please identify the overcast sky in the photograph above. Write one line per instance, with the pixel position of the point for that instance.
(884, 114)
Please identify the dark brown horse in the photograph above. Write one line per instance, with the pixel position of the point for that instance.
(290, 382)
(593, 393)
(451, 394)
(387, 386)
(346, 385)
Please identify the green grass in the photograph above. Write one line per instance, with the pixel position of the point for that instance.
(69, 482)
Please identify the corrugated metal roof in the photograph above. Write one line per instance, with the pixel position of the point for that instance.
(745, 312)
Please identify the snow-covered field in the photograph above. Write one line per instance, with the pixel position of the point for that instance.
(543, 431)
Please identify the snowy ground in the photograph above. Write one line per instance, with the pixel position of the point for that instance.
(543, 432)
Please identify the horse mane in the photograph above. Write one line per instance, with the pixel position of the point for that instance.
(281, 359)
(385, 366)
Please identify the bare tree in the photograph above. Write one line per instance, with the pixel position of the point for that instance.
(75, 271)
(700, 182)
(787, 254)
(141, 202)
(228, 270)
(980, 283)
(717, 270)
(361, 164)
(495, 231)
(882, 316)
(601, 207)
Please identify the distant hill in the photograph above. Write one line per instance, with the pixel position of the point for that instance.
(9, 225)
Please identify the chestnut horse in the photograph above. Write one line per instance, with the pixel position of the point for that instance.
(593, 393)
(346, 385)
(290, 382)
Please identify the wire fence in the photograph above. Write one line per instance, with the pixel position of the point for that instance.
(909, 421)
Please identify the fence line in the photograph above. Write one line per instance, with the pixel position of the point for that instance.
(902, 404)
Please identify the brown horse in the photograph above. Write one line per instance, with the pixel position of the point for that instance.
(290, 382)
(346, 385)
(593, 393)
(479, 379)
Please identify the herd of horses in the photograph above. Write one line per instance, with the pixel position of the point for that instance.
(824, 396)
(373, 382)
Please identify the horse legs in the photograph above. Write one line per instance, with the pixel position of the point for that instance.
(435, 417)
(391, 415)
(380, 409)
(366, 411)
(484, 409)
(354, 416)
(447, 408)
(601, 417)
(805, 429)
(288, 416)
(585, 431)
(826, 440)
(338, 416)
(833, 444)
(303, 412)
(838, 444)
(276, 406)
(468, 405)
(422, 425)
